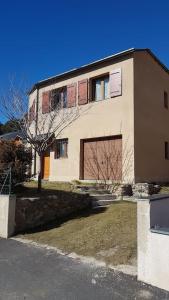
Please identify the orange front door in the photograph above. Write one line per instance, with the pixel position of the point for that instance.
(46, 166)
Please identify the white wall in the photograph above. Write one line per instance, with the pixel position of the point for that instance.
(7, 215)
(153, 248)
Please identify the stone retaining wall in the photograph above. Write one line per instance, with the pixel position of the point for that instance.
(33, 212)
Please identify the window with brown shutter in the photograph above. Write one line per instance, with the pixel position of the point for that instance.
(32, 112)
(71, 95)
(100, 88)
(59, 98)
(46, 102)
(83, 91)
(115, 83)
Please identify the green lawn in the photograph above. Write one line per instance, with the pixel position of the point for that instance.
(109, 235)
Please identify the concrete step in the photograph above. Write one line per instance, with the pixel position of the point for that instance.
(90, 187)
(94, 192)
(99, 192)
(103, 202)
(103, 196)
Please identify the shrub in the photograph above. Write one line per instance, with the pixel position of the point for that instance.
(17, 157)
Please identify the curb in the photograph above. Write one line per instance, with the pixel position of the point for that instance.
(125, 269)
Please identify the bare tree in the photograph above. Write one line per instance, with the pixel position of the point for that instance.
(107, 163)
(39, 129)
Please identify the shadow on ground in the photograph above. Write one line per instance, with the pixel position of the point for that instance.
(62, 195)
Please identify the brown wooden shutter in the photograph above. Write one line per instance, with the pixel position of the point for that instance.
(115, 83)
(46, 102)
(83, 92)
(71, 95)
(31, 112)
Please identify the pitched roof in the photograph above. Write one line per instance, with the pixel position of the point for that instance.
(12, 135)
(96, 63)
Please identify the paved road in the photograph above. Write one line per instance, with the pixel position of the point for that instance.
(28, 272)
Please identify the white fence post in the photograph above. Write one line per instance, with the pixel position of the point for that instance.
(143, 226)
(7, 215)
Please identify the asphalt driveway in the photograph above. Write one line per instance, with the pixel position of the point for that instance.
(28, 272)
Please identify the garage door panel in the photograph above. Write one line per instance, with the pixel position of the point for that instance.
(103, 159)
(90, 160)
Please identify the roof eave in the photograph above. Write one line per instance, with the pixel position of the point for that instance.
(96, 63)
(92, 64)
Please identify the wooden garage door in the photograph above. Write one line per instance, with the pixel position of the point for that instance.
(102, 158)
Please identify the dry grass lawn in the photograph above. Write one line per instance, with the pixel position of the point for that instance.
(109, 235)
(164, 189)
(62, 186)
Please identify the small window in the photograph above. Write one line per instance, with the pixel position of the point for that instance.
(59, 98)
(166, 150)
(61, 147)
(166, 100)
(100, 88)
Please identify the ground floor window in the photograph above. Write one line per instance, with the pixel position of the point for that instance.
(61, 148)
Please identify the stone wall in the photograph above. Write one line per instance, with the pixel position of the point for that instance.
(123, 190)
(34, 212)
(144, 190)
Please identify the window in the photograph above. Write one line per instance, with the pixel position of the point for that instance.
(61, 147)
(166, 150)
(100, 88)
(166, 100)
(64, 97)
(59, 97)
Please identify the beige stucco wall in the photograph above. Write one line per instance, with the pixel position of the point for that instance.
(151, 119)
(109, 117)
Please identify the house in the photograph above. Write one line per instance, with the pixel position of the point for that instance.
(16, 136)
(128, 98)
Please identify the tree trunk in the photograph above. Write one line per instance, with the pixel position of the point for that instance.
(40, 174)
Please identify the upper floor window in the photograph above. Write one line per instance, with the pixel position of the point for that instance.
(59, 98)
(61, 148)
(100, 88)
(166, 100)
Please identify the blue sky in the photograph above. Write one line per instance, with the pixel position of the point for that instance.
(39, 39)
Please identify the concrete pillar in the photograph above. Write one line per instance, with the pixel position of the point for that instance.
(153, 243)
(143, 227)
(7, 215)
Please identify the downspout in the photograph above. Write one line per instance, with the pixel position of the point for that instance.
(36, 122)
